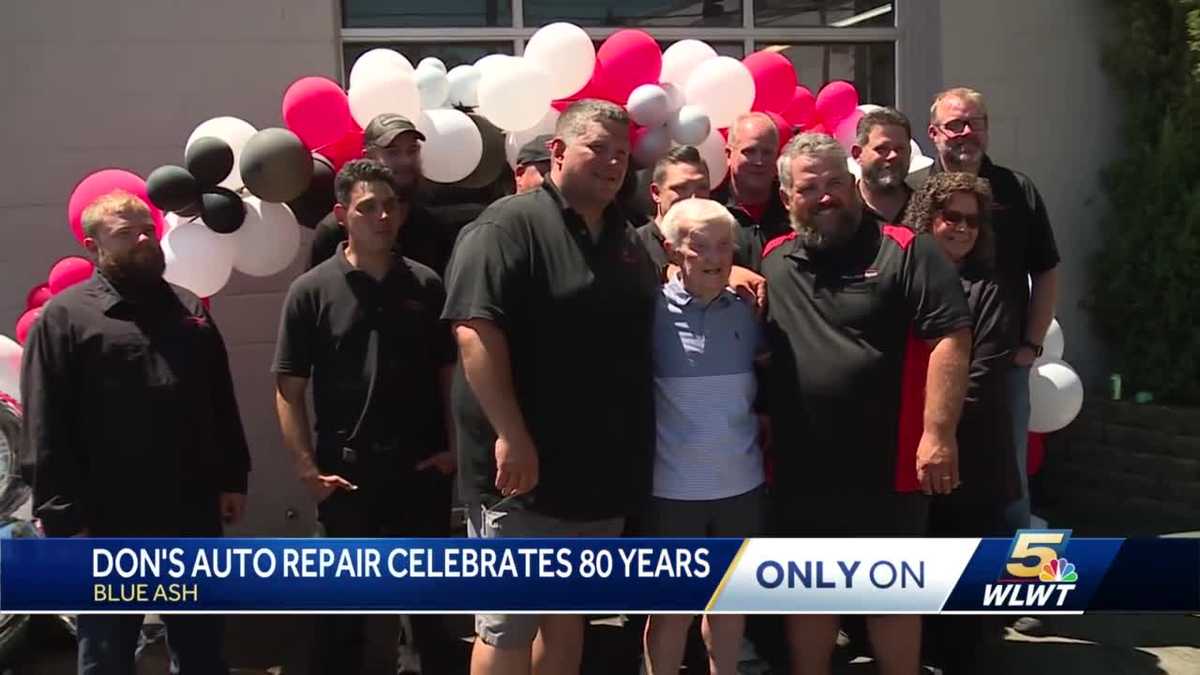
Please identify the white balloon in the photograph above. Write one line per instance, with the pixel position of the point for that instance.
(453, 145)
(649, 105)
(869, 108)
(674, 95)
(690, 126)
(514, 94)
(723, 87)
(197, 258)
(10, 367)
(515, 140)
(1055, 396)
(394, 92)
(267, 242)
(432, 62)
(235, 132)
(712, 149)
(681, 58)
(566, 53)
(1053, 344)
(378, 62)
(652, 145)
(490, 60)
(464, 86)
(433, 87)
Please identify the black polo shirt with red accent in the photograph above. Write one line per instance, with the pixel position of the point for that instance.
(577, 314)
(841, 325)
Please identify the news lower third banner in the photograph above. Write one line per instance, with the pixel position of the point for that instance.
(1040, 571)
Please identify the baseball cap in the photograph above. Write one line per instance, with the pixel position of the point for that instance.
(535, 151)
(383, 129)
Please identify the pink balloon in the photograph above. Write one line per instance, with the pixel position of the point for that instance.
(628, 59)
(317, 110)
(774, 80)
(25, 324)
(784, 127)
(847, 129)
(801, 110)
(100, 183)
(836, 101)
(68, 272)
(37, 296)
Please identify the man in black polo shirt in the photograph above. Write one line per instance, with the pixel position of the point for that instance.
(1026, 254)
(533, 163)
(854, 311)
(883, 150)
(364, 327)
(679, 174)
(395, 142)
(752, 192)
(131, 421)
(552, 294)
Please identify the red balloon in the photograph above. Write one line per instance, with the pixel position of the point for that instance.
(348, 147)
(37, 296)
(25, 323)
(784, 127)
(628, 59)
(68, 272)
(318, 111)
(801, 110)
(835, 102)
(774, 80)
(100, 183)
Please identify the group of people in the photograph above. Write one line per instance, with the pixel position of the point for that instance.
(797, 354)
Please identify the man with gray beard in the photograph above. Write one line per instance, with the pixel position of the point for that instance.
(883, 151)
(870, 337)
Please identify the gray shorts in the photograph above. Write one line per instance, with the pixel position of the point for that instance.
(743, 515)
(517, 630)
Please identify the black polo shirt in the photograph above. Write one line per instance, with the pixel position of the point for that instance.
(908, 193)
(423, 237)
(577, 315)
(755, 232)
(840, 326)
(324, 333)
(130, 414)
(1024, 239)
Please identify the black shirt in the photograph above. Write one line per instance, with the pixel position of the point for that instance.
(1024, 239)
(839, 324)
(754, 233)
(324, 333)
(130, 414)
(423, 237)
(987, 463)
(577, 315)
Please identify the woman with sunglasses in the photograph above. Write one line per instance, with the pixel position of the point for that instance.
(954, 209)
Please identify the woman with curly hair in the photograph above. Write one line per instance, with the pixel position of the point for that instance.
(954, 208)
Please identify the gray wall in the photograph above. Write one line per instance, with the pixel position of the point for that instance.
(1053, 116)
(89, 84)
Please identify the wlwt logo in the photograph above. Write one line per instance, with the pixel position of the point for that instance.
(1036, 572)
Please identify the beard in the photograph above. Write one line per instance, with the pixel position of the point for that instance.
(885, 179)
(136, 269)
(827, 229)
(961, 154)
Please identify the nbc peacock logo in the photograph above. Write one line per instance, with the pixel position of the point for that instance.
(1059, 570)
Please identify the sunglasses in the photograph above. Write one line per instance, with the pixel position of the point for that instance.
(957, 218)
(960, 125)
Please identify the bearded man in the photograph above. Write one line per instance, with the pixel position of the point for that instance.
(857, 309)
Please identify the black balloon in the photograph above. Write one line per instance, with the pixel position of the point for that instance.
(275, 165)
(172, 188)
(318, 200)
(210, 160)
(223, 210)
(493, 159)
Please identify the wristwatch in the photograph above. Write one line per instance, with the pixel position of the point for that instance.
(1035, 348)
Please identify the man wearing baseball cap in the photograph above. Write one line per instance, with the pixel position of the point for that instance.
(395, 141)
(533, 163)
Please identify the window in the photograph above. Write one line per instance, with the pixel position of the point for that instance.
(854, 40)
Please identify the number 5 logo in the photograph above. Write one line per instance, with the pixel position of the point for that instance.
(1033, 548)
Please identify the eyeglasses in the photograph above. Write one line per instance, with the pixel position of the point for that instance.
(960, 125)
(956, 218)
